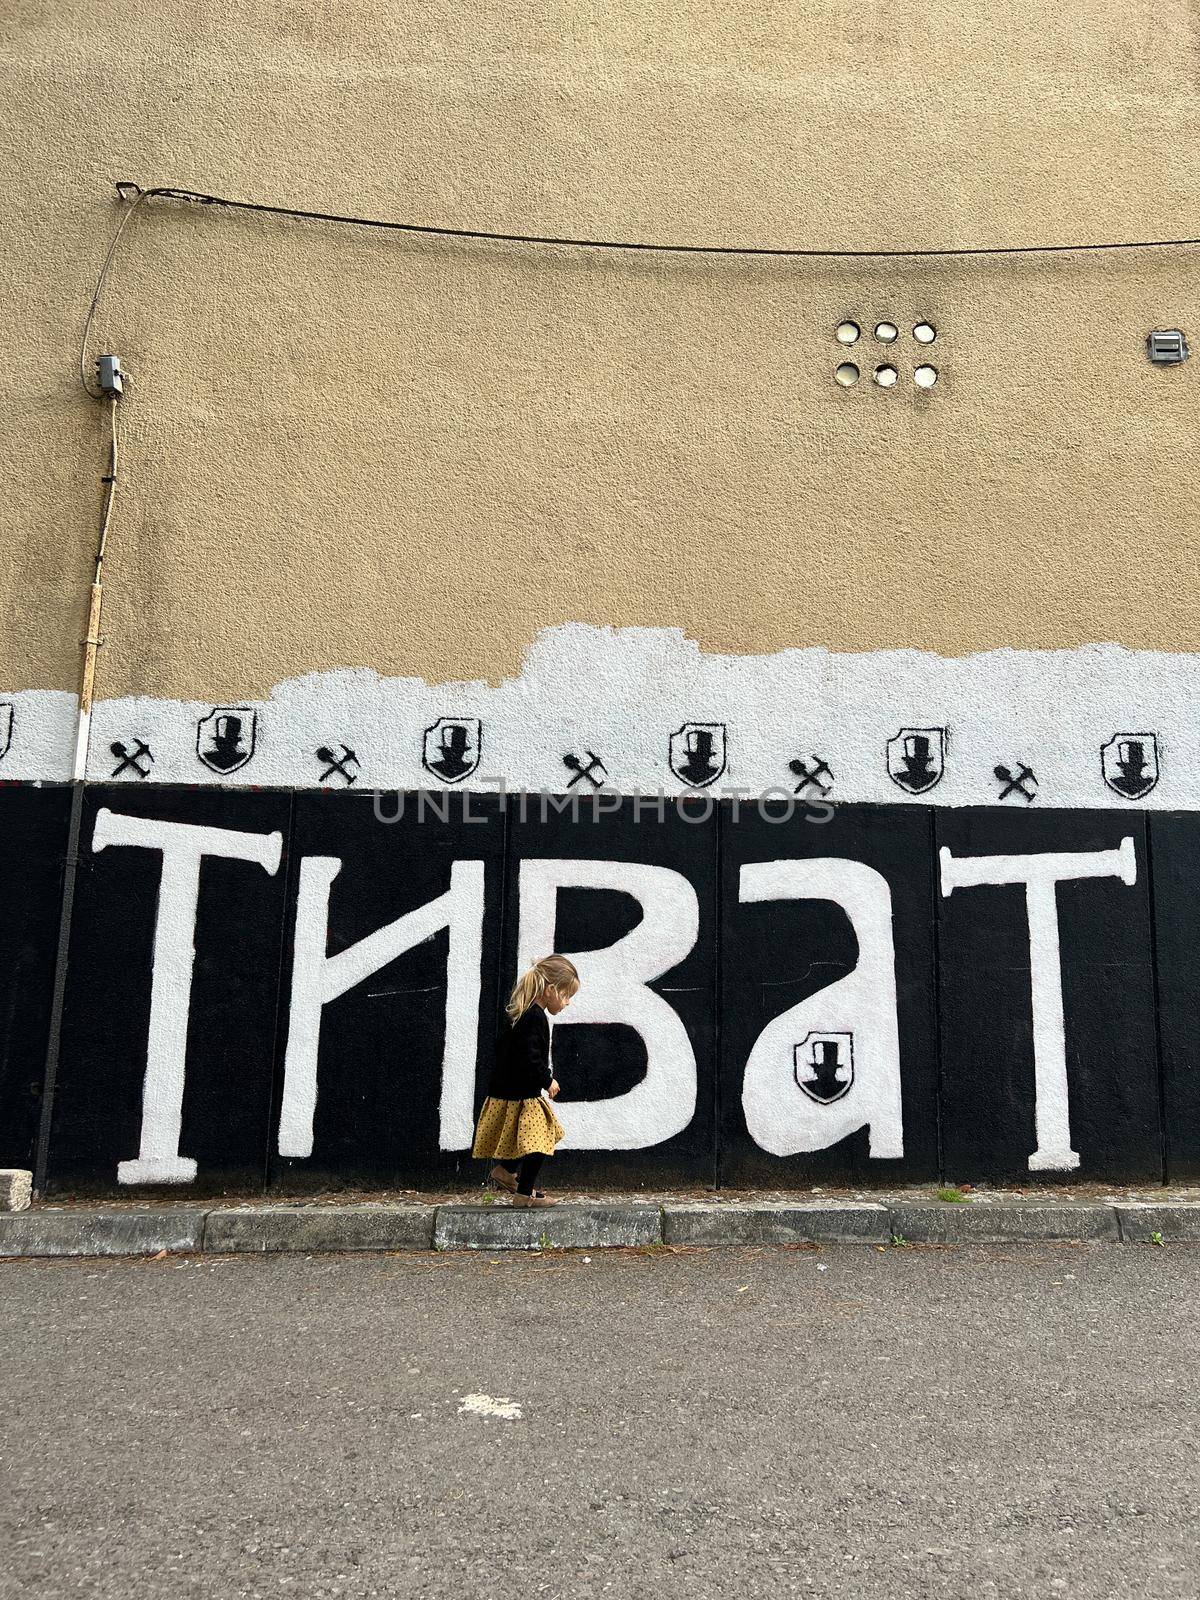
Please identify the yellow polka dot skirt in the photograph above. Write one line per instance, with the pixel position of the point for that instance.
(510, 1129)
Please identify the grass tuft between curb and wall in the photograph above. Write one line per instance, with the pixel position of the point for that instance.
(587, 1225)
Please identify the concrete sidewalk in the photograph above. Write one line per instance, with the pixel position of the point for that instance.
(591, 1224)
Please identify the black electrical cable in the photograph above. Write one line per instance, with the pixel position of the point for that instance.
(128, 190)
(142, 195)
(580, 243)
(41, 1159)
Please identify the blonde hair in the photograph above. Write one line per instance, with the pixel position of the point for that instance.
(551, 972)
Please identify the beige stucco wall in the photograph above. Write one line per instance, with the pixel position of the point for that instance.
(344, 448)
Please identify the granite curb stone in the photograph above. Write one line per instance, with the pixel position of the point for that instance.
(100, 1233)
(984, 1223)
(776, 1222)
(560, 1227)
(1141, 1220)
(16, 1189)
(96, 1231)
(281, 1228)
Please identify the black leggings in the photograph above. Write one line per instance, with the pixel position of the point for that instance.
(525, 1170)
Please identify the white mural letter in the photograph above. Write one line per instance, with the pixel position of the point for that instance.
(318, 978)
(183, 846)
(831, 1064)
(1041, 874)
(613, 989)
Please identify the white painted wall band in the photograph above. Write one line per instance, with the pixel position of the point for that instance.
(642, 710)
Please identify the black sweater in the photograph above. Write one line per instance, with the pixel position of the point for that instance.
(522, 1067)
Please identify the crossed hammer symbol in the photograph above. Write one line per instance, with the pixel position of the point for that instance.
(811, 776)
(594, 764)
(132, 758)
(1015, 783)
(337, 764)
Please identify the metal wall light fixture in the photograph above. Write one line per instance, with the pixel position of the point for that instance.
(1167, 347)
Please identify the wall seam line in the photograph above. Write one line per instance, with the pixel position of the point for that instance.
(277, 1035)
(718, 1098)
(1164, 1165)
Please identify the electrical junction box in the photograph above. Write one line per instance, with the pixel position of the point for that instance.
(109, 374)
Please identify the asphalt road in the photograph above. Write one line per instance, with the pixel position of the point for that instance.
(1017, 1421)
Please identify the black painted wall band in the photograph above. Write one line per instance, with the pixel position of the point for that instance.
(897, 993)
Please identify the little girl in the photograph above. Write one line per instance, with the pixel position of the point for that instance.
(517, 1127)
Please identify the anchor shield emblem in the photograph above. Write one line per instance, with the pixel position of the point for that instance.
(824, 1066)
(225, 738)
(697, 753)
(452, 748)
(916, 758)
(1129, 762)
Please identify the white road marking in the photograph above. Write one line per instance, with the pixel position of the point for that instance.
(484, 1405)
